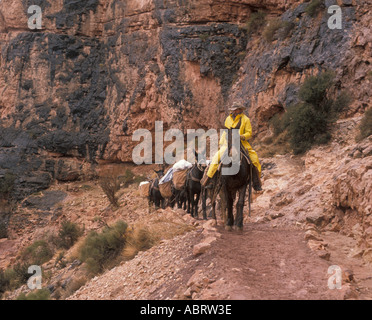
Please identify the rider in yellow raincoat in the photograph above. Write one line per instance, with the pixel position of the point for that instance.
(236, 114)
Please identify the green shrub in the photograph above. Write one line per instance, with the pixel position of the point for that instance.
(37, 253)
(313, 7)
(365, 127)
(308, 122)
(271, 28)
(100, 249)
(286, 29)
(13, 278)
(306, 128)
(18, 275)
(7, 184)
(4, 282)
(255, 22)
(276, 122)
(314, 89)
(68, 234)
(341, 103)
(41, 294)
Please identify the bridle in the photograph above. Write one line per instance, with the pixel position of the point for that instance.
(200, 168)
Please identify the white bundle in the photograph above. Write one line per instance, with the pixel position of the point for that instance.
(143, 183)
(182, 165)
(168, 177)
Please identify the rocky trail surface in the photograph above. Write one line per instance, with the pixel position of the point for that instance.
(260, 263)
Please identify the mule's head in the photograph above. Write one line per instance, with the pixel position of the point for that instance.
(201, 160)
(159, 173)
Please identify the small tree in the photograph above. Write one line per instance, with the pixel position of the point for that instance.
(308, 122)
(37, 253)
(100, 249)
(68, 234)
(110, 185)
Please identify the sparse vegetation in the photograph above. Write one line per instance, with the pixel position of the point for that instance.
(138, 239)
(277, 144)
(272, 27)
(112, 180)
(41, 294)
(4, 282)
(6, 184)
(308, 123)
(99, 250)
(313, 7)
(287, 29)
(14, 277)
(365, 128)
(204, 36)
(37, 253)
(110, 186)
(68, 234)
(279, 28)
(129, 177)
(60, 261)
(256, 21)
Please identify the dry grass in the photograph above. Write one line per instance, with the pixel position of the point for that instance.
(144, 235)
(274, 145)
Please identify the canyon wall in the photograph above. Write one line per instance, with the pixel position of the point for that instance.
(73, 93)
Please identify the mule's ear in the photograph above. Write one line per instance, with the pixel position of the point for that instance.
(196, 155)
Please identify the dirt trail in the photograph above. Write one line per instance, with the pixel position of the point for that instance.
(263, 262)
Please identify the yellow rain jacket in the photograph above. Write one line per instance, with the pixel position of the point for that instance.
(246, 131)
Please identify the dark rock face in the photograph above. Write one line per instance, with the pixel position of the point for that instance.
(309, 47)
(215, 47)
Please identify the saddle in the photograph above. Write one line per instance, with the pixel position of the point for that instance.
(243, 152)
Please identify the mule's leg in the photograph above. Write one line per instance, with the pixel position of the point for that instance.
(188, 196)
(192, 205)
(150, 204)
(240, 207)
(177, 199)
(157, 203)
(229, 206)
(204, 203)
(214, 211)
(184, 200)
(196, 211)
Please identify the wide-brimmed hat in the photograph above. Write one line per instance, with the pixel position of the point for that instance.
(235, 106)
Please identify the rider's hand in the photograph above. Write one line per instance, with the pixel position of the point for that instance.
(242, 137)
